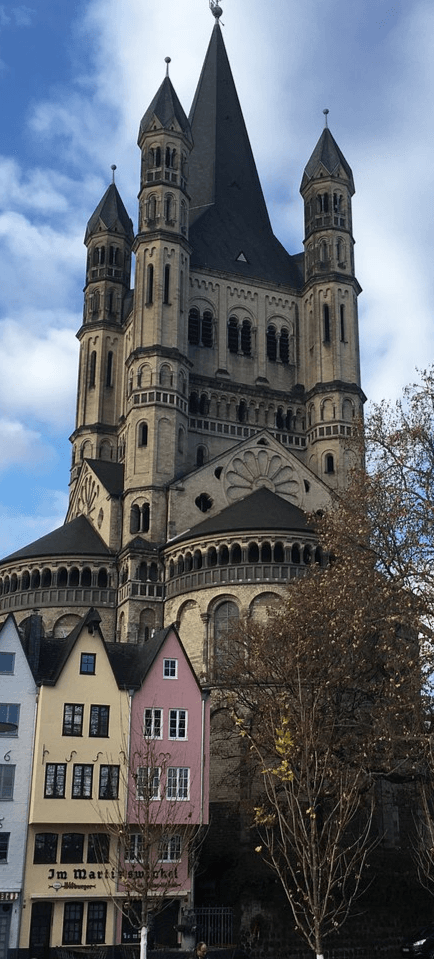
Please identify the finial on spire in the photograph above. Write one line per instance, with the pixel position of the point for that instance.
(215, 8)
(326, 113)
(167, 60)
(113, 168)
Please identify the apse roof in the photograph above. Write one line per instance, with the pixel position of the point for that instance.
(75, 538)
(261, 510)
(230, 228)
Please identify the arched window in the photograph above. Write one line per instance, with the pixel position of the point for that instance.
(146, 625)
(307, 555)
(236, 553)
(150, 284)
(280, 421)
(14, 583)
(134, 519)
(113, 255)
(211, 558)
(102, 580)
(99, 256)
(201, 455)
(253, 553)
(271, 343)
(151, 208)
(193, 403)
(342, 322)
(225, 617)
(284, 346)
(295, 554)
(204, 405)
(86, 577)
(246, 338)
(242, 411)
(109, 373)
(183, 217)
(92, 369)
(166, 284)
(266, 553)
(207, 328)
(166, 375)
(62, 576)
(46, 578)
(142, 434)
(74, 577)
(194, 326)
(168, 208)
(25, 580)
(144, 518)
(233, 335)
(326, 322)
(279, 553)
(223, 556)
(329, 463)
(197, 559)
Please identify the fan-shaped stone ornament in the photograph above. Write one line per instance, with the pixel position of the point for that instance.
(252, 469)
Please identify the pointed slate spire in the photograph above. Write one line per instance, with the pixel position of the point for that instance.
(167, 108)
(227, 210)
(327, 154)
(111, 213)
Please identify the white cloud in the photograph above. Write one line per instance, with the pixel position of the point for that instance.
(21, 446)
(38, 371)
(19, 528)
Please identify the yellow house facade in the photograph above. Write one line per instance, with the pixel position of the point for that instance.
(78, 790)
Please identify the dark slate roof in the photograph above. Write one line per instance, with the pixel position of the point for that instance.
(112, 212)
(110, 474)
(261, 510)
(328, 153)
(228, 214)
(54, 653)
(167, 108)
(75, 538)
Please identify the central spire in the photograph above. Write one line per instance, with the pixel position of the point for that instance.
(228, 214)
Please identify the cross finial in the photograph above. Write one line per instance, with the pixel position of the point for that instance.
(113, 168)
(326, 113)
(167, 60)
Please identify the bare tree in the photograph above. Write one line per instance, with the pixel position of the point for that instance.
(154, 847)
(327, 693)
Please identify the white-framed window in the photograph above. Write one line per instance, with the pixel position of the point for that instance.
(135, 847)
(178, 782)
(170, 668)
(148, 782)
(178, 724)
(170, 848)
(153, 723)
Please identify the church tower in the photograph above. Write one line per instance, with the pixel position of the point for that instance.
(217, 400)
(333, 394)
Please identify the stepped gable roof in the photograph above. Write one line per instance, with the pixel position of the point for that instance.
(330, 156)
(230, 228)
(167, 108)
(111, 212)
(75, 538)
(110, 474)
(261, 510)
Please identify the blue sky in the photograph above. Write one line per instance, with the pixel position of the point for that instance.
(75, 79)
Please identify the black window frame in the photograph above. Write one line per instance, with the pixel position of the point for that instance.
(7, 715)
(69, 727)
(4, 846)
(72, 930)
(98, 847)
(96, 923)
(80, 789)
(3, 663)
(45, 848)
(58, 791)
(87, 664)
(99, 720)
(109, 790)
(72, 847)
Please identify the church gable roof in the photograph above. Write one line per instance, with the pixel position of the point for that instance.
(261, 510)
(111, 475)
(75, 538)
(228, 210)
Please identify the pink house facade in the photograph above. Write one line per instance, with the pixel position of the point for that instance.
(168, 788)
